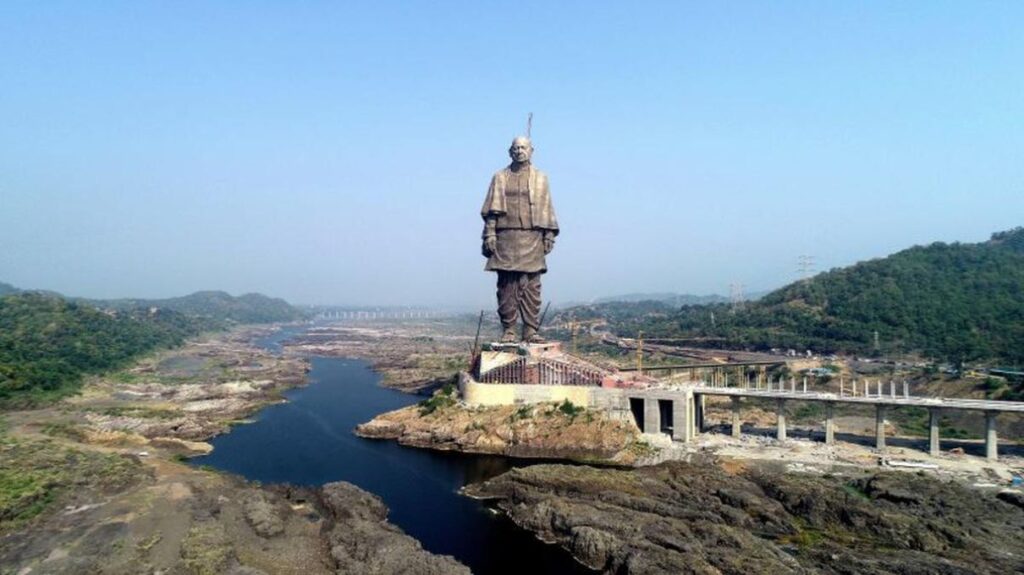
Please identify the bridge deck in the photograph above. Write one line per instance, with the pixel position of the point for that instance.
(884, 399)
(706, 365)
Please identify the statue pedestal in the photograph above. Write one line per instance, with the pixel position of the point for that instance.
(496, 354)
(527, 349)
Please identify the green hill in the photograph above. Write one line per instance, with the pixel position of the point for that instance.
(955, 302)
(212, 305)
(216, 305)
(47, 344)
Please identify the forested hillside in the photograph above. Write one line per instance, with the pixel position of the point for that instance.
(955, 302)
(47, 344)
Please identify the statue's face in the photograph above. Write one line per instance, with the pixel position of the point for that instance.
(521, 150)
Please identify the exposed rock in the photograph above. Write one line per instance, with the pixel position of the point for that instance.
(361, 541)
(697, 518)
(264, 516)
(381, 429)
(1012, 497)
(539, 431)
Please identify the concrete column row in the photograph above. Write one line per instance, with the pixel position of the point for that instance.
(687, 421)
(684, 418)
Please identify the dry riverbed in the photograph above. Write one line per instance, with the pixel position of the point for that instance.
(411, 357)
(97, 483)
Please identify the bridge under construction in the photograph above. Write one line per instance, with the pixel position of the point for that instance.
(533, 373)
(680, 411)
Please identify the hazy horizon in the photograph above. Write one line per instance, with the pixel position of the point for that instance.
(339, 154)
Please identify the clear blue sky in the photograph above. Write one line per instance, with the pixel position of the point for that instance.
(338, 152)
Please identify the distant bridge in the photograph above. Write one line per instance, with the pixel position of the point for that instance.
(380, 314)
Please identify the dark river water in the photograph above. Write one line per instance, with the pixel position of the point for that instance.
(309, 441)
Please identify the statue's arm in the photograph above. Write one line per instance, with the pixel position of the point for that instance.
(551, 219)
(490, 236)
(549, 241)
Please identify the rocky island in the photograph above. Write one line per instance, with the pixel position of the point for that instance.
(553, 431)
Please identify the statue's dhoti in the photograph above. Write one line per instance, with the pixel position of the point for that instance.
(519, 230)
(519, 295)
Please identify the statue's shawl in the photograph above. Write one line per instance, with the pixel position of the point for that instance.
(541, 211)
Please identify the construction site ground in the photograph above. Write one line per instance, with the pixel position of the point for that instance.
(804, 450)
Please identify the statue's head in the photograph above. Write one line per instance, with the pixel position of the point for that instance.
(521, 149)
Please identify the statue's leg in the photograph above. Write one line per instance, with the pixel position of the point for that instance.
(529, 305)
(508, 303)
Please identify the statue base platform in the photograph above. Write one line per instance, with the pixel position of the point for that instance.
(496, 354)
(524, 348)
(544, 364)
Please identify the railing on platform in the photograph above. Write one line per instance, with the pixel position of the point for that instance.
(542, 372)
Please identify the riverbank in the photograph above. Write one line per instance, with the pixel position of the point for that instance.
(99, 483)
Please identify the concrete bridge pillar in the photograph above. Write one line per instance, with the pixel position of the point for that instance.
(698, 414)
(780, 419)
(652, 416)
(991, 439)
(830, 425)
(933, 431)
(682, 420)
(736, 423)
(880, 426)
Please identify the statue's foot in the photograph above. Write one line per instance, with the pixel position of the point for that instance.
(530, 336)
(509, 336)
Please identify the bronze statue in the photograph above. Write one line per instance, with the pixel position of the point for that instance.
(519, 230)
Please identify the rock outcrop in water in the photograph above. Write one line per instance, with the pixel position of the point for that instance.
(540, 431)
(361, 541)
(705, 518)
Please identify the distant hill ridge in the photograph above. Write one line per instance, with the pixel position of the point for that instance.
(210, 304)
(958, 302)
(246, 308)
(663, 297)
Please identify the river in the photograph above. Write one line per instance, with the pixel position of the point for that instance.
(309, 441)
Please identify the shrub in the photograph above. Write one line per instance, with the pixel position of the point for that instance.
(569, 409)
(444, 397)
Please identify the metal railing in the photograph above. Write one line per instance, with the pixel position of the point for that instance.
(543, 372)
